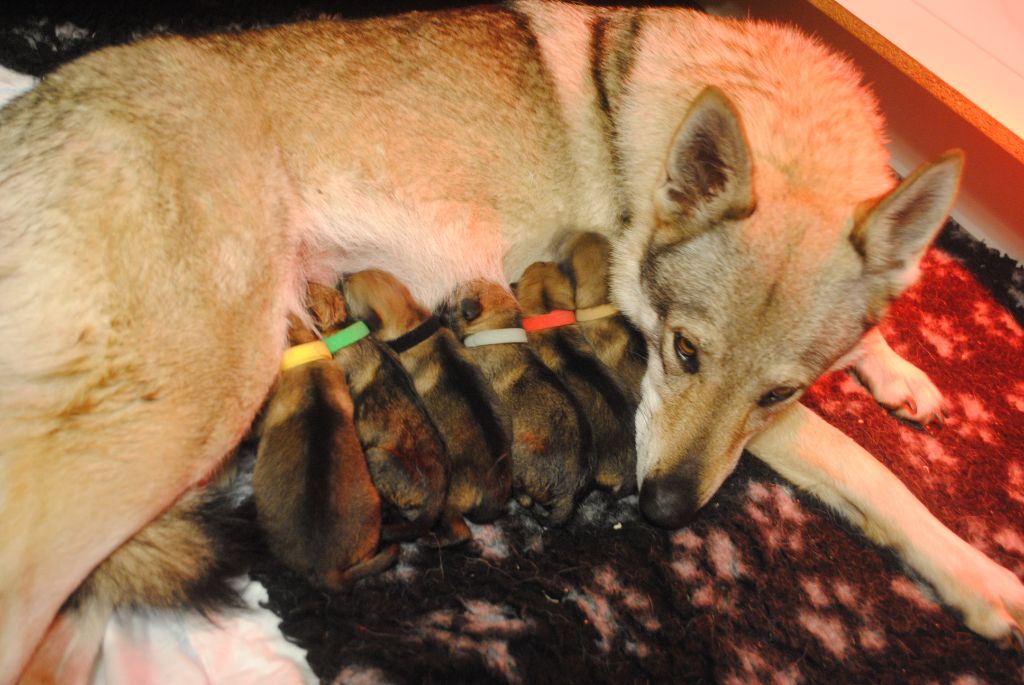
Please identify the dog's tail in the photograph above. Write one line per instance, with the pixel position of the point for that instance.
(183, 559)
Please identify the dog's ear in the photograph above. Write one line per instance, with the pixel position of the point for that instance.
(471, 308)
(708, 172)
(891, 233)
(358, 294)
(326, 305)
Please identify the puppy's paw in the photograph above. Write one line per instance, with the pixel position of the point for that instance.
(990, 598)
(898, 385)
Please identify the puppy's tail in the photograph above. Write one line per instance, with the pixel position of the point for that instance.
(183, 559)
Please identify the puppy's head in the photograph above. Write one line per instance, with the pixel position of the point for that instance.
(544, 287)
(481, 305)
(326, 306)
(325, 311)
(383, 302)
(750, 271)
(587, 254)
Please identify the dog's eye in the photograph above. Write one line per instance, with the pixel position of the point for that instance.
(687, 353)
(471, 308)
(775, 395)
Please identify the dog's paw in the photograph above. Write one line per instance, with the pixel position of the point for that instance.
(990, 599)
(899, 386)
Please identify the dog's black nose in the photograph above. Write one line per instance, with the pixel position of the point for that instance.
(668, 501)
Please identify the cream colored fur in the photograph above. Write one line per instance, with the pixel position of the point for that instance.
(163, 205)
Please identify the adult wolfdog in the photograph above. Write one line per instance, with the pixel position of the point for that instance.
(164, 204)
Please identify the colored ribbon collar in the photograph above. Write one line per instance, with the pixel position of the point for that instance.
(304, 354)
(601, 311)
(346, 336)
(417, 335)
(496, 336)
(553, 319)
(325, 349)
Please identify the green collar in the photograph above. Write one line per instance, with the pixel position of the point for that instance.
(346, 336)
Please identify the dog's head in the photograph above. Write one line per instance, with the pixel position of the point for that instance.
(481, 305)
(747, 287)
(383, 302)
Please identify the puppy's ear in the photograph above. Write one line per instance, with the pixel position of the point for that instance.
(326, 305)
(471, 308)
(298, 331)
(891, 233)
(358, 294)
(708, 171)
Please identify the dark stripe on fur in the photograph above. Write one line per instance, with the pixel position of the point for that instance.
(548, 376)
(597, 75)
(399, 375)
(529, 39)
(649, 274)
(321, 421)
(612, 53)
(471, 381)
(596, 374)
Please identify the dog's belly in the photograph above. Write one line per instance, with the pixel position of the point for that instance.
(447, 160)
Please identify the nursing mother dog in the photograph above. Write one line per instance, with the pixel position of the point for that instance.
(164, 204)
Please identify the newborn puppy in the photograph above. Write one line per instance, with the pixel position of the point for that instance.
(618, 345)
(545, 296)
(404, 450)
(550, 436)
(457, 396)
(312, 489)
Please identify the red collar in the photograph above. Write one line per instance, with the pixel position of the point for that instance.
(553, 319)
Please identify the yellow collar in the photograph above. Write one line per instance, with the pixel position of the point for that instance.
(304, 354)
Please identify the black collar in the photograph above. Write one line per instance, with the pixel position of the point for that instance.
(417, 335)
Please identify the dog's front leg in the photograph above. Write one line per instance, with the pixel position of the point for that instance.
(819, 458)
(895, 383)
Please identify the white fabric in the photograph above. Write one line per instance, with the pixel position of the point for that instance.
(234, 647)
(13, 84)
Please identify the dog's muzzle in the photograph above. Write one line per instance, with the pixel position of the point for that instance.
(670, 500)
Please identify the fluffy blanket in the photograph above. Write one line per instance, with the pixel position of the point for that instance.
(764, 586)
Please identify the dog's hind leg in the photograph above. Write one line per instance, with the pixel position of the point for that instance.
(895, 383)
(65, 507)
(820, 459)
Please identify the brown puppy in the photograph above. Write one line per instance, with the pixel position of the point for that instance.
(313, 493)
(618, 345)
(405, 452)
(544, 288)
(550, 436)
(457, 396)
